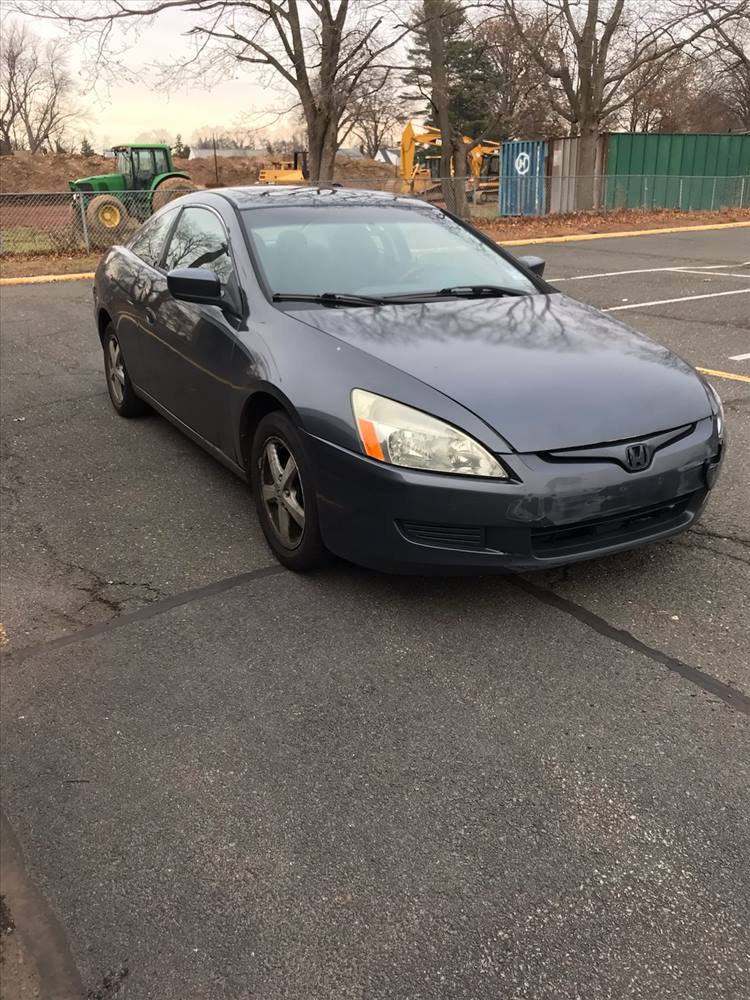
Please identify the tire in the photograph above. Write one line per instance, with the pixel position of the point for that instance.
(119, 386)
(107, 220)
(298, 547)
(169, 189)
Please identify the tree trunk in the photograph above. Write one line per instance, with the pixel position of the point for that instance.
(321, 132)
(453, 188)
(586, 167)
(460, 173)
(328, 158)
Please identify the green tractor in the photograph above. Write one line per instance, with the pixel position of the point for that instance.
(145, 181)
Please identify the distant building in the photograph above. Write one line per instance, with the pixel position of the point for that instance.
(352, 151)
(204, 154)
(389, 154)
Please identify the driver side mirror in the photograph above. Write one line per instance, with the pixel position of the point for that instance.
(195, 284)
(534, 264)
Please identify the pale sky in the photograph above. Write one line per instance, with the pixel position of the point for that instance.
(120, 113)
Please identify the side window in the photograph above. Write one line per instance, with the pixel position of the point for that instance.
(200, 240)
(160, 162)
(148, 242)
(144, 164)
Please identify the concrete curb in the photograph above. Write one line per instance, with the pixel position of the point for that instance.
(734, 376)
(632, 232)
(42, 933)
(40, 279)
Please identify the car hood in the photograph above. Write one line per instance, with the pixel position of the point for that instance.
(546, 372)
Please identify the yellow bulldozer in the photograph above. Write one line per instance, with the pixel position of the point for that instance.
(294, 171)
(420, 172)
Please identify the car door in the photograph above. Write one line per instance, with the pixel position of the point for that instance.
(190, 357)
(140, 283)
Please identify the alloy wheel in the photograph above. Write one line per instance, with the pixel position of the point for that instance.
(116, 370)
(281, 492)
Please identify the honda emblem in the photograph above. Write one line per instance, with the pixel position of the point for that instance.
(637, 456)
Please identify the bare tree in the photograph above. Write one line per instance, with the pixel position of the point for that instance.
(732, 37)
(317, 49)
(373, 113)
(36, 91)
(521, 90)
(597, 46)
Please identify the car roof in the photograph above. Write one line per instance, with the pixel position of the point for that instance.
(265, 196)
(140, 145)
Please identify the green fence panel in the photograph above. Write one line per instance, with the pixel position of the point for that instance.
(672, 170)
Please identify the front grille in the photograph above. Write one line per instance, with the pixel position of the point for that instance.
(454, 536)
(625, 526)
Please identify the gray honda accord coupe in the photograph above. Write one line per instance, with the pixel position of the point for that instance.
(399, 390)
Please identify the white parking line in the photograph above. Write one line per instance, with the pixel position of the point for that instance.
(684, 298)
(649, 270)
(716, 274)
(739, 357)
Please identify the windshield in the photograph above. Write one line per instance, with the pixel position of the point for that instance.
(372, 250)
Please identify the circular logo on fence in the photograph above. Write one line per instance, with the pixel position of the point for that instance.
(523, 162)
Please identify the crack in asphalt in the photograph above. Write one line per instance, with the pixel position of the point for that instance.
(691, 544)
(157, 607)
(97, 588)
(737, 539)
(731, 696)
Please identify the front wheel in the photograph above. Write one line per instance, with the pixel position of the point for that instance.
(285, 496)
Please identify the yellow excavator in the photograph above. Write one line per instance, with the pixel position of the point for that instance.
(421, 174)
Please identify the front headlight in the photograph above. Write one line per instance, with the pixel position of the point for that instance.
(718, 407)
(394, 433)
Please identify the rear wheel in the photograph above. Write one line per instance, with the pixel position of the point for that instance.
(119, 385)
(285, 495)
(169, 189)
(107, 219)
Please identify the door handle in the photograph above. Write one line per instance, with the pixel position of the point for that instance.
(150, 315)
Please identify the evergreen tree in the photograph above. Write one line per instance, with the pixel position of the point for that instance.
(472, 78)
(86, 148)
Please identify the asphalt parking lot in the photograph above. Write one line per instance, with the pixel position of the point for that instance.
(228, 781)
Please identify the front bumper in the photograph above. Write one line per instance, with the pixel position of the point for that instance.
(408, 521)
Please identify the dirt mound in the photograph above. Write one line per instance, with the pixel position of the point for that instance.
(26, 172)
(232, 170)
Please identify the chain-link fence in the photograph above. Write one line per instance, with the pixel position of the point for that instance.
(57, 222)
(78, 222)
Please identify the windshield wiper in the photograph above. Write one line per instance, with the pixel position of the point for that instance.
(330, 299)
(479, 291)
(456, 292)
(399, 298)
